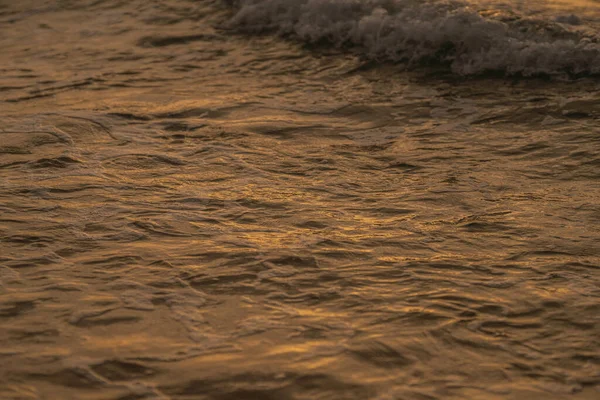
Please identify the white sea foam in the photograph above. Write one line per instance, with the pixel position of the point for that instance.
(468, 40)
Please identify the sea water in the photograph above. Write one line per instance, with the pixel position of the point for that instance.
(310, 199)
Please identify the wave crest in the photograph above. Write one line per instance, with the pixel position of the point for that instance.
(451, 33)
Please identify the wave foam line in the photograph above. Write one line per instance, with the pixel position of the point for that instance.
(425, 31)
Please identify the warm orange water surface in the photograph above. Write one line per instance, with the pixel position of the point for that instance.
(188, 213)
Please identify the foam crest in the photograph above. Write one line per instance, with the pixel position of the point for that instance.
(421, 32)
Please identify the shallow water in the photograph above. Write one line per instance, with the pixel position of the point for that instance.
(191, 212)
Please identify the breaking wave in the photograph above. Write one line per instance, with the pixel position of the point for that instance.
(469, 41)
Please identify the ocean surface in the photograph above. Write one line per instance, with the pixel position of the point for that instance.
(299, 200)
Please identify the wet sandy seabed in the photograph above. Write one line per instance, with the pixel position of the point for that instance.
(191, 214)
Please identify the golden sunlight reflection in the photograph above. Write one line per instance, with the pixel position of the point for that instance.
(292, 199)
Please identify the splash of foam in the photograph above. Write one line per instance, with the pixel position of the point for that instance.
(427, 31)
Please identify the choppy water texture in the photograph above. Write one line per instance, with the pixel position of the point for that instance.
(191, 212)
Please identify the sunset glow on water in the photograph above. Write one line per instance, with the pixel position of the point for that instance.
(277, 199)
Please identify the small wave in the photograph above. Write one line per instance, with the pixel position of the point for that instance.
(418, 32)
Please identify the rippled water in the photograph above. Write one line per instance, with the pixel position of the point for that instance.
(191, 212)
